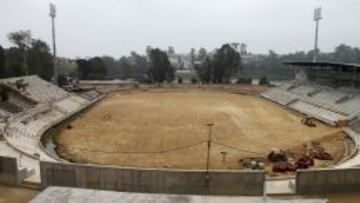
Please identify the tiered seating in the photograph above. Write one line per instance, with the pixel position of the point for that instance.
(326, 103)
(303, 90)
(287, 85)
(91, 95)
(29, 112)
(20, 101)
(280, 96)
(9, 107)
(351, 106)
(71, 104)
(37, 89)
(317, 112)
(25, 132)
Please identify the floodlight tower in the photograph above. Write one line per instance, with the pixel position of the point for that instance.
(317, 18)
(52, 14)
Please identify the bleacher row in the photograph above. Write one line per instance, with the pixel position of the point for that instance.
(23, 130)
(324, 103)
(91, 95)
(37, 89)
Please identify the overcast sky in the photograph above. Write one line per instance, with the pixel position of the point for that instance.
(116, 27)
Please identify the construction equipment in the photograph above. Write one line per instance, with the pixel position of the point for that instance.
(277, 156)
(309, 121)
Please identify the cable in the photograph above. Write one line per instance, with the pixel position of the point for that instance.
(238, 149)
(141, 152)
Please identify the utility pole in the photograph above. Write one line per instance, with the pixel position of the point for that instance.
(52, 14)
(317, 18)
(210, 125)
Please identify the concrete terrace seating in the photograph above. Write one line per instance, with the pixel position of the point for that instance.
(303, 90)
(9, 107)
(317, 112)
(351, 106)
(38, 89)
(71, 104)
(91, 95)
(280, 96)
(287, 85)
(25, 132)
(326, 103)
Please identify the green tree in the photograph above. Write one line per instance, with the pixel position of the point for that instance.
(160, 69)
(92, 69)
(127, 71)
(84, 68)
(205, 71)
(62, 80)
(98, 69)
(112, 67)
(2, 62)
(202, 54)
(225, 62)
(13, 62)
(139, 64)
(40, 59)
(22, 39)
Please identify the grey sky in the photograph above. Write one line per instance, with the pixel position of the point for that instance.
(116, 27)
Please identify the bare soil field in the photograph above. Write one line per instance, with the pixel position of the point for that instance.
(168, 130)
(10, 194)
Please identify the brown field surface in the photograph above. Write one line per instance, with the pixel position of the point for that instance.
(168, 130)
(11, 194)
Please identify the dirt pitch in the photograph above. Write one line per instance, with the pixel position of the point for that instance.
(168, 130)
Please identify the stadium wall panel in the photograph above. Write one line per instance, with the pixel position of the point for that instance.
(9, 173)
(327, 181)
(152, 180)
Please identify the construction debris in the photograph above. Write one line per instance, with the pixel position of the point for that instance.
(283, 167)
(318, 152)
(309, 121)
(277, 156)
(305, 161)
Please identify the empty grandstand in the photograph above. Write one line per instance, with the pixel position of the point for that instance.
(29, 106)
(329, 96)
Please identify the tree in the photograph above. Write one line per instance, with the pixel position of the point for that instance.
(22, 39)
(139, 64)
(127, 71)
(202, 54)
(225, 62)
(2, 63)
(62, 80)
(13, 62)
(40, 59)
(84, 68)
(98, 69)
(112, 67)
(205, 71)
(160, 69)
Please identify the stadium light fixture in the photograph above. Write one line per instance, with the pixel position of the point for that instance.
(317, 18)
(52, 15)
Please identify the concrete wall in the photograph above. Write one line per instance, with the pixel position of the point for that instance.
(9, 173)
(327, 180)
(152, 180)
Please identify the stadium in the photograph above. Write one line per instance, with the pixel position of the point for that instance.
(161, 138)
